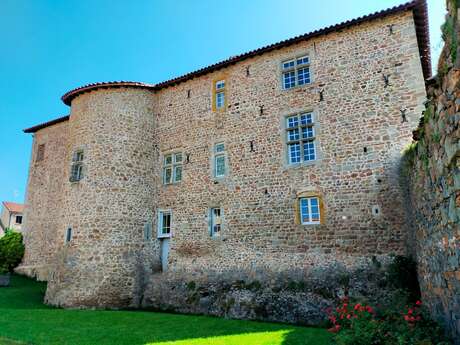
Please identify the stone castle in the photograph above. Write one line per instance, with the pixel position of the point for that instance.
(283, 159)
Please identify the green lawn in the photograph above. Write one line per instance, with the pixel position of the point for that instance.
(25, 320)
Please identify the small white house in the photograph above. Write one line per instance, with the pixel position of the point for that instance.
(11, 216)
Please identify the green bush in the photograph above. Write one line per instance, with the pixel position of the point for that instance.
(11, 251)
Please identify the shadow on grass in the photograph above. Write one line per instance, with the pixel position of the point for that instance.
(24, 318)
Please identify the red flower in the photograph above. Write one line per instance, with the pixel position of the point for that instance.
(334, 329)
(369, 309)
(357, 306)
(418, 303)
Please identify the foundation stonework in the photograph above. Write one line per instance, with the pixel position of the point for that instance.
(126, 130)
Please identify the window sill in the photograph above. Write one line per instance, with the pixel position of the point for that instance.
(219, 179)
(163, 236)
(302, 164)
(299, 87)
(310, 224)
(171, 184)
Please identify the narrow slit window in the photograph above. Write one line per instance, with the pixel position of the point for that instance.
(215, 221)
(40, 153)
(219, 160)
(219, 95)
(76, 173)
(68, 235)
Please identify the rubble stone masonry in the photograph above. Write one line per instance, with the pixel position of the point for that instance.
(362, 124)
(433, 172)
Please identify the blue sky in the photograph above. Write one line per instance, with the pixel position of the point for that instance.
(49, 47)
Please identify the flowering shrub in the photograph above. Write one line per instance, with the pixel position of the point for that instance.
(360, 324)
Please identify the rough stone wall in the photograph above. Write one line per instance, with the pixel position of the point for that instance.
(258, 194)
(126, 132)
(433, 171)
(260, 190)
(43, 205)
(103, 264)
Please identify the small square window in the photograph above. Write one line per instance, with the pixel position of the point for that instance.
(220, 84)
(296, 72)
(288, 64)
(219, 147)
(303, 60)
(18, 220)
(309, 210)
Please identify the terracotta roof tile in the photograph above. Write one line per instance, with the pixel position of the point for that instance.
(46, 124)
(13, 207)
(419, 8)
(69, 96)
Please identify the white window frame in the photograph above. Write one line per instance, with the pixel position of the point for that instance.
(160, 224)
(220, 99)
(219, 88)
(173, 166)
(309, 210)
(219, 154)
(293, 65)
(76, 171)
(309, 127)
(212, 222)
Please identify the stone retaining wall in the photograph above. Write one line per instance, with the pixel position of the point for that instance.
(433, 178)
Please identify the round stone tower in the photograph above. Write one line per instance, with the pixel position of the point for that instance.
(109, 197)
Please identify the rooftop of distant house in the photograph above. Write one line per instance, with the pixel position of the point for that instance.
(13, 207)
